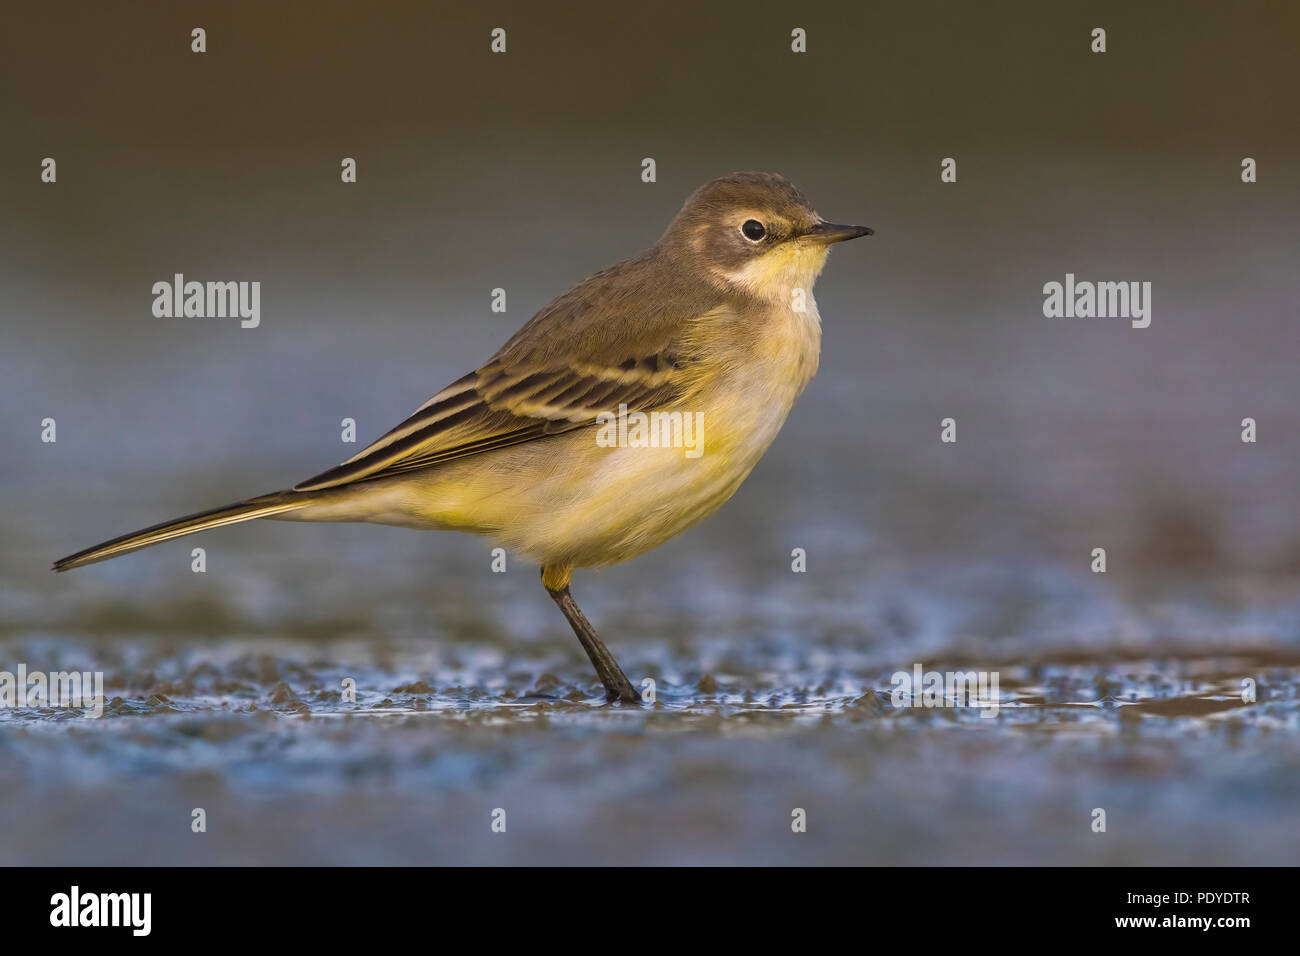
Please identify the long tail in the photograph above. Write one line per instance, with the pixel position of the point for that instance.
(260, 507)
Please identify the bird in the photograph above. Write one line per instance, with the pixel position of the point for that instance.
(714, 326)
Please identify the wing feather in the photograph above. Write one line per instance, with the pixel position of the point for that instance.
(501, 408)
(619, 338)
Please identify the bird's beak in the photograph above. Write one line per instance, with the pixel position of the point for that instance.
(828, 232)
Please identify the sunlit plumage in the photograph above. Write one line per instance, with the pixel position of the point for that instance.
(709, 321)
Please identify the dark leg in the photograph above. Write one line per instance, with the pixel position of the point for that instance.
(617, 686)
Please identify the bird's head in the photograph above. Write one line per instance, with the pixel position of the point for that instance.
(754, 232)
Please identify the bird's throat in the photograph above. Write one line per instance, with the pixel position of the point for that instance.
(784, 274)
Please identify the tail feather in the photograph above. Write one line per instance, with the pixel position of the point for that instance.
(260, 507)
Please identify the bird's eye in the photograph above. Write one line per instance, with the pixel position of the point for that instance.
(753, 230)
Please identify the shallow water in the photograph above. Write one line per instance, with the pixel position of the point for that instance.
(745, 728)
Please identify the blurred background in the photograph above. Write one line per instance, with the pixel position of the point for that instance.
(522, 171)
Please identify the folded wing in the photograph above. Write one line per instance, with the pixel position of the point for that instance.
(499, 406)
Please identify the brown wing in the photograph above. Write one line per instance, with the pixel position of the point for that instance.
(619, 338)
(496, 406)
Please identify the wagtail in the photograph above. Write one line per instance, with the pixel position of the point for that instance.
(620, 415)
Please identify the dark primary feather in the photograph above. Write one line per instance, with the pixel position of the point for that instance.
(611, 340)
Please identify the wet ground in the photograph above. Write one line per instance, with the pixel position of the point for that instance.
(1119, 691)
(227, 693)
